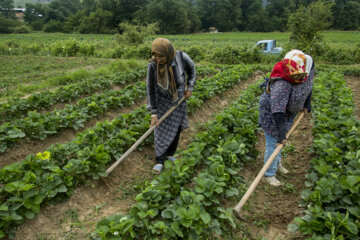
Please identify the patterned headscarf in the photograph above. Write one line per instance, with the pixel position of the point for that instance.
(293, 64)
(165, 75)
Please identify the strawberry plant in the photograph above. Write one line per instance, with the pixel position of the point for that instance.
(333, 195)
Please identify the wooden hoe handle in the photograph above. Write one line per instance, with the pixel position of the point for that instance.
(142, 138)
(265, 167)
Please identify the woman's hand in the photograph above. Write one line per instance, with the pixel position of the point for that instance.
(188, 94)
(305, 111)
(283, 142)
(154, 121)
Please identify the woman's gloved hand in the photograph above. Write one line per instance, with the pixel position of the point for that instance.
(154, 120)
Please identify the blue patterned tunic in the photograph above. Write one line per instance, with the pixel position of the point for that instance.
(284, 97)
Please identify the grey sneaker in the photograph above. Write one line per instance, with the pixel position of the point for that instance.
(272, 181)
(157, 168)
(282, 169)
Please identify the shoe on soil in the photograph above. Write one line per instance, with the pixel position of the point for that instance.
(157, 168)
(171, 158)
(272, 181)
(282, 169)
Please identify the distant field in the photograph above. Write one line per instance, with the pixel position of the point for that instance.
(26, 74)
(107, 41)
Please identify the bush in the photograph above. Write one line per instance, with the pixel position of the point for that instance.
(196, 53)
(235, 55)
(7, 25)
(53, 26)
(135, 33)
(21, 29)
(71, 48)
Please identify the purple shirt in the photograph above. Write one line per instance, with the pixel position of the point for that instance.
(284, 97)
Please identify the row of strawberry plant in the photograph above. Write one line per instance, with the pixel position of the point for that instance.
(347, 70)
(19, 107)
(55, 173)
(168, 208)
(39, 126)
(333, 196)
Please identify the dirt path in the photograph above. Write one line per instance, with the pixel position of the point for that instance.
(76, 218)
(269, 209)
(353, 83)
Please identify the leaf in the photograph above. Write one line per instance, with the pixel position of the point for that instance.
(292, 227)
(351, 227)
(3, 207)
(29, 215)
(12, 186)
(35, 208)
(38, 199)
(205, 217)
(176, 227)
(62, 188)
(167, 214)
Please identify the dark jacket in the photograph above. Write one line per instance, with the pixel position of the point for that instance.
(181, 64)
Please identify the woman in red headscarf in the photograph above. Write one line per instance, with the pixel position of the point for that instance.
(288, 91)
(166, 84)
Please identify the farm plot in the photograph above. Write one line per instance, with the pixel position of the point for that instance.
(116, 193)
(93, 151)
(73, 221)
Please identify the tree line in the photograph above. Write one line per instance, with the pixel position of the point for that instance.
(173, 16)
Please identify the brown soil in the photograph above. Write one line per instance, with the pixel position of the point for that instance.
(353, 83)
(77, 216)
(270, 209)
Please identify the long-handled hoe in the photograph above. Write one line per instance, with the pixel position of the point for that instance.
(142, 138)
(252, 187)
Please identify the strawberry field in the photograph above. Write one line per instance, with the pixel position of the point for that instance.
(61, 130)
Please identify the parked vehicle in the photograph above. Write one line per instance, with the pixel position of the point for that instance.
(269, 47)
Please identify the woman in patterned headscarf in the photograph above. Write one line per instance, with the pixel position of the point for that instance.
(166, 84)
(288, 91)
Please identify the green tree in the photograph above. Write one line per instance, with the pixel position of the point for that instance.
(97, 22)
(254, 17)
(306, 23)
(122, 10)
(279, 12)
(173, 16)
(73, 22)
(34, 15)
(346, 15)
(7, 9)
(225, 15)
(136, 33)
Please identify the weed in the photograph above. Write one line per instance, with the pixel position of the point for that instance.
(289, 188)
(289, 148)
(73, 214)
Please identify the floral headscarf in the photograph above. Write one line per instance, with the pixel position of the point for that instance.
(165, 75)
(294, 63)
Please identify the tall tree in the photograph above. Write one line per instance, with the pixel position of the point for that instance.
(306, 23)
(254, 17)
(223, 14)
(7, 9)
(122, 10)
(346, 14)
(279, 12)
(173, 16)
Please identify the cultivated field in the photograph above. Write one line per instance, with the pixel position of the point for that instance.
(73, 104)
